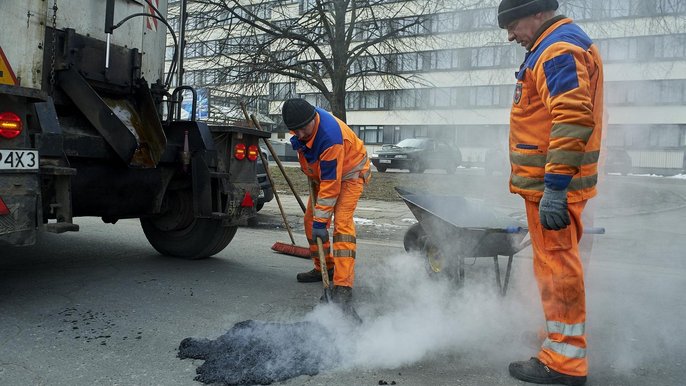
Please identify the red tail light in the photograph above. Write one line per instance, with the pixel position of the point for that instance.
(253, 153)
(10, 125)
(247, 200)
(239, 151)
(3, 208)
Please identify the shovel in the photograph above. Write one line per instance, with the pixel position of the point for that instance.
(320, 250)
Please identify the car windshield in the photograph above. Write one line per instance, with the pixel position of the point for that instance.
(411, 142)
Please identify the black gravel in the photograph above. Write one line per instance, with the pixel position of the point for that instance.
(254, 352)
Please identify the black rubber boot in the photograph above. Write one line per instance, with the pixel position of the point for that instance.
(313, 276)
(535, 371)
(343, 297)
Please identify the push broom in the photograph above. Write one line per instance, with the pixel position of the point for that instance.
(288, 249)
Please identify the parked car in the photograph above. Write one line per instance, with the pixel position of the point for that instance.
(266, 192)
(417, 155)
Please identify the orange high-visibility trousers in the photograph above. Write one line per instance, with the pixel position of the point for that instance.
(344, 236)
(560, 276)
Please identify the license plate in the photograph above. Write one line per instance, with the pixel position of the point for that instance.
(18, 159)
(384, 161)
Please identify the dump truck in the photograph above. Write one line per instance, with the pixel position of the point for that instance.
(90, 125)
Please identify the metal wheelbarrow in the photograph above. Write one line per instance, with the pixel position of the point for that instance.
(455, 227)
(452, 228)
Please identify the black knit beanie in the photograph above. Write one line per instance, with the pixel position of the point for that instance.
(511, 10)
(297, 113)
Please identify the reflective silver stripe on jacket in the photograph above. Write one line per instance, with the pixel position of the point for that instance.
(326, 201)
(343, 253)
(355, 171)
(344, 239)
(578, 183)
(322, 213)
(565, 157)
(578, 329)
(561, 130)
(565, 349)
(539, 160)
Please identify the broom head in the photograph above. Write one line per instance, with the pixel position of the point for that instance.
(293, 250)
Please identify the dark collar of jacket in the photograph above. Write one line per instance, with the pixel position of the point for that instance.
(543, 28)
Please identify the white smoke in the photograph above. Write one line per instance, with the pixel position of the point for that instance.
(409, 316)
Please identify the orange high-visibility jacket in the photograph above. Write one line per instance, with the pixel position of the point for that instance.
(557, 113)
(333, 154)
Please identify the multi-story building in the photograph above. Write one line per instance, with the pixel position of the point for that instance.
(470, 74)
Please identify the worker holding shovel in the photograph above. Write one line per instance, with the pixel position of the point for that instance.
(336, 163)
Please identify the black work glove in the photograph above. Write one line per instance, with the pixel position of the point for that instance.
(553, 209)
(322, 233)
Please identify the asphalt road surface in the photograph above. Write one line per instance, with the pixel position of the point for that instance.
(101, 307)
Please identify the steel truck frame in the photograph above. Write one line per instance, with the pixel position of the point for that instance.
(84, 133)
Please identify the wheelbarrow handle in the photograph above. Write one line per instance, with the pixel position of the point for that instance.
(588, 230)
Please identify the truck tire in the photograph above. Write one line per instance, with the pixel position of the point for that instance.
(202, 238)
(176, 232)
(381, 169)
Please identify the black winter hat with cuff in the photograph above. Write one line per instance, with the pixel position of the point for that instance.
(297, 113)
(511, 10)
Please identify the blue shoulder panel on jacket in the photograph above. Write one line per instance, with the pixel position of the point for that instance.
(328, 134)
(560, 74)
(568, 33)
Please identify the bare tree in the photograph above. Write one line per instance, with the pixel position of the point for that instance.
(330, 46)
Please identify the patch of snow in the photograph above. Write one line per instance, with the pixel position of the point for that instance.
(362, 221)
(392, 226)
(409, 220)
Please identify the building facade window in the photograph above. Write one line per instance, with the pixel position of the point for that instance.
(370, 134)
(282, 91)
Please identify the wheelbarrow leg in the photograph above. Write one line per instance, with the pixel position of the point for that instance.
(502, 286)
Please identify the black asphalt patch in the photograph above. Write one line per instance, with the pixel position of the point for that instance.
(254, 352)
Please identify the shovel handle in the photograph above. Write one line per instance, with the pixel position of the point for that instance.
(320, 246)
(322, 264)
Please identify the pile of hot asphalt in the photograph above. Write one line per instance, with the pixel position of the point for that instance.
(255, 352)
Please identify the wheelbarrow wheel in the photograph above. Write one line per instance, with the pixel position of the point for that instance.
(416, 240)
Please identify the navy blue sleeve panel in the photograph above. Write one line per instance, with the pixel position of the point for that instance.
(560, 73)
(327, 170)
(557, 181)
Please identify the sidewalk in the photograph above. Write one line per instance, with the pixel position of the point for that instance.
(388, 220)
(384, 220)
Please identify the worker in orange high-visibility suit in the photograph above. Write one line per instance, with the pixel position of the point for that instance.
(555, 135)
(335, 159)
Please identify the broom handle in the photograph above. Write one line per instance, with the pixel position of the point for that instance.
(278, 200)
(278, 163)
(271, 181)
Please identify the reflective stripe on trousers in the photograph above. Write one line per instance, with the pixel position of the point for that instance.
(560, 278)
(344, 236)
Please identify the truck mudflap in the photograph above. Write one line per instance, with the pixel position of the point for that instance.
(19, 209)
